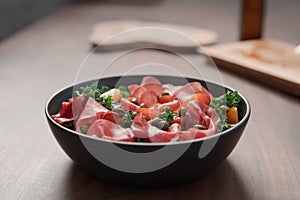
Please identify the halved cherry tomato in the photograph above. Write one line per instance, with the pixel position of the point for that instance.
(132, 99)
(201, 98)
(165, 99)
(149, 113)
(232, 115)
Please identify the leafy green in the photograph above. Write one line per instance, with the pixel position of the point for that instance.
(127, 117)
(124, 91)
(167, 115)
(230, 99)
(92, 91)
(108, 102)
(222, 115)
(163, 120)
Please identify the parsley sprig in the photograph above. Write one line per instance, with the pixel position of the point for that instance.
(230, 99)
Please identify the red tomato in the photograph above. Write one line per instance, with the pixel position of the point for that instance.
(165, 99)
(134, 98)
(149, 113)
(201, 98)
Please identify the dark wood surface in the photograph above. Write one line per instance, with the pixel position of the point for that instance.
(44, 57)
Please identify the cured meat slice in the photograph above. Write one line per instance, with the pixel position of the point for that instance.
(110, 116)
(170, 88)
(127, 105)
(70, 110)
(174, 105)
(78, 105)
(158, 135)
(132, 88)
(142, 129)
(196, 115)
(152, 84)
(189, 90)
(138, 92)
(89, 114)
(140, 126)
(105, 129)
(149, 98)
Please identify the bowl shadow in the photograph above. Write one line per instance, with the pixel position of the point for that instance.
(223, 182)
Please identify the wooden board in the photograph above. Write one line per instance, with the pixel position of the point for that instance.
(105, 30)
(270, 62)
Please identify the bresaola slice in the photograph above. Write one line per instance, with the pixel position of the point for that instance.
(149, 98)
(196, 115)
(189, 90)
(89, 114)
(174, 105)
(138, 92)
(127, 105)
(203, 115)
(78, 105)
(108, 130)
(132, 88)
(170, 88)
(70, 110)
(171, 135)
(148, 83)
(142, 129)
(140, 126)
(152, 84)
(93, 111)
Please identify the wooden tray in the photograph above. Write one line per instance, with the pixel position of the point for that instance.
(104, 30)
(269, 62)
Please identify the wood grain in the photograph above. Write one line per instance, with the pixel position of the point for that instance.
(45, 57)
(270, 62)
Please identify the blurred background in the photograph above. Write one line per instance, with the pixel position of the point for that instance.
(222, 16)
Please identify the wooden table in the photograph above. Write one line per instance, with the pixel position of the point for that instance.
(44, 57)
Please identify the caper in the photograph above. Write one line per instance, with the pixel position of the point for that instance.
(164, 125)
(143, 105)
(134, 114)
(134, 100)
(165, 94)
(154, 121)
(200, 127)
(224, 108)
(84, 129)
(118, 110)
(161, 124)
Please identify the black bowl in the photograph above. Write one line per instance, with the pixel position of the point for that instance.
(173, 162)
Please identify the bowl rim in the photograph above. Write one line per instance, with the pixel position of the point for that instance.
(154, 144)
